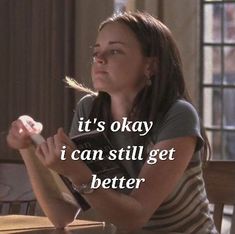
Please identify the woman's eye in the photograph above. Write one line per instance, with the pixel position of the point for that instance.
(107, 53)
(115, 51)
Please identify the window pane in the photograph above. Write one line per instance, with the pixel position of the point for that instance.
(212, 22)
(229, 22)
(212, 107)
(229, 146)
(120, 5)
(212, 65)
(219, 69)
(229, 64)
(215, 143)
(229, 108)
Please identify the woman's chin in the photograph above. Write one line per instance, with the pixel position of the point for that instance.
(100, 87)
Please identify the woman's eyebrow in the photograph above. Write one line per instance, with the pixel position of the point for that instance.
(111, 43)
(117, 42)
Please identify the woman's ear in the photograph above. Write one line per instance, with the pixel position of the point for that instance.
(151, 66)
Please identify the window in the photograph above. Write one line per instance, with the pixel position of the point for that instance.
(120, 5)
(218, 76)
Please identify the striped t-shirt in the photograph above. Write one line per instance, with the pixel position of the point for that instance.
(185, 210)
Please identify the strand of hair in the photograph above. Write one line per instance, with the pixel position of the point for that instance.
(72, 83)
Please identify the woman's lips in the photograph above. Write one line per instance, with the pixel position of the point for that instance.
(100, 72)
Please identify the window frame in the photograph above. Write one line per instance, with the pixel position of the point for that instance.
(222, 86)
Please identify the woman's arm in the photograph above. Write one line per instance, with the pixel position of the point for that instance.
(43, 182)
(47, 192)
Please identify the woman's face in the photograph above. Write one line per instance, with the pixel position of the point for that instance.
(118, 63)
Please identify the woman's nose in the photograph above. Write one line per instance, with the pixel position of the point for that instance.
(99, 58)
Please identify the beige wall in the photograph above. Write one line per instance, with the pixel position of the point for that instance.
(89, 14)
(182, 17)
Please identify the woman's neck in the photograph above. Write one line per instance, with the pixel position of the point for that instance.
(121, 106)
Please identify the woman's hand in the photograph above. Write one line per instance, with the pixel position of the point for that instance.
(18, 136)
(49, 153)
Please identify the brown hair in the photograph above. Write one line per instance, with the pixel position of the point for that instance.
(168, 83)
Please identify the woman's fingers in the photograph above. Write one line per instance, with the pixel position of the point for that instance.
(44, 155)
(49, 151)
(51, 145)
(63, 137)
(18, 136)
(40, 154)
(58, 144)
(19, 131)
(44, 149)
(21, 127)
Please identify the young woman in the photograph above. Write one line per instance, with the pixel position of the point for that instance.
(137, 72)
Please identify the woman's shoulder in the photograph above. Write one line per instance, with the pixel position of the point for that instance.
(86, 100)
(182, 106)
(180, 120)
(182, 111)
(84, 105)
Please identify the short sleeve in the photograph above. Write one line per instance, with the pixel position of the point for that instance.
(181, 120)
(83, 109)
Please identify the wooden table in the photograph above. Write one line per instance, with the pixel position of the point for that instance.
(41, 225)
(26, 224)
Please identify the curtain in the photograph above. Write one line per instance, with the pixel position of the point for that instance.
(41, 41)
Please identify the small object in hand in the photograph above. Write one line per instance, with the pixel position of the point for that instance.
(34, 128)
